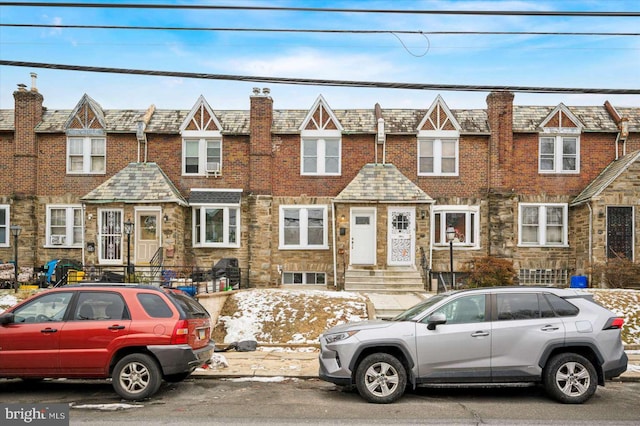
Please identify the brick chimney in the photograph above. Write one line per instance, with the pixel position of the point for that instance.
(500, 117)
(27, 114)
(260, 152)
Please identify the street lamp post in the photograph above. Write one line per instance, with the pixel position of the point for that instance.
(15, 231)
(451, 235)
(128, 228)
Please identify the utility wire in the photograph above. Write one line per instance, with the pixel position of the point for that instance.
(329, 31)
(320, 82)
(324, 10)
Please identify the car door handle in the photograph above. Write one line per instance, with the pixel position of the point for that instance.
(49, 330)
(550, 328)
(116, 327)
(480, 334)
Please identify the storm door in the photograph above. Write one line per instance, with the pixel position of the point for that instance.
(401, 236)
(620, 232)
(363, 237)
(147, 235)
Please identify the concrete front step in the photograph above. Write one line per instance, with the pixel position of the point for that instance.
(388, 280)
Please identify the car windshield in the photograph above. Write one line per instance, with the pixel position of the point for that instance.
(418, 309)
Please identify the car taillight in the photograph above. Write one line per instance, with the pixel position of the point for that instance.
(180, 333)
(614, 323)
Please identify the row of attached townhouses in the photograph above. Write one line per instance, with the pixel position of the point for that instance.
(340, 198)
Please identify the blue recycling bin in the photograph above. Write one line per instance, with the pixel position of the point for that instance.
(578, 281)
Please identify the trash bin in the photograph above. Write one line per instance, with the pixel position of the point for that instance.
(578, 281)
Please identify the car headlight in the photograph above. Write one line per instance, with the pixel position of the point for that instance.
(336, 337)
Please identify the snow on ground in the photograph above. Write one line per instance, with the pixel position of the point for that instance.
(290, 316)
(7, 300)
(625, 303)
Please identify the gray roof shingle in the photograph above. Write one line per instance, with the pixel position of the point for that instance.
(136, 183)
(214, 197)
(382, 183)
(606, 177)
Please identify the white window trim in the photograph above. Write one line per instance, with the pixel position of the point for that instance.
(86, 155)
(468, 210)
(225, 230)
(202, 137)
(69, 209)
(437, 137)
(558, 154)
(320, 136)
(303, 229)
(542, 227)
(7, 210)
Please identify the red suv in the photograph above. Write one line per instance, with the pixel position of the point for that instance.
(137, 335)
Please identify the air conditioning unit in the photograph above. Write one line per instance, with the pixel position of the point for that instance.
(213, 168)
(58, 240)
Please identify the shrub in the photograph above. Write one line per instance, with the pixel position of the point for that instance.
(618, 272)
(489, 271)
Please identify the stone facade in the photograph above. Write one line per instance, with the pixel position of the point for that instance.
(262, 158)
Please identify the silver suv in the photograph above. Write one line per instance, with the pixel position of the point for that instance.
(558, 337)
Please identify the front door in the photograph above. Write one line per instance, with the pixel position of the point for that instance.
(147, 235)
(401, 236)
(620, 232)
(363, 237)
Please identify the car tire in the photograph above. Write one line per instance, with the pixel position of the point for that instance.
(175, 378)
(136, 377)
(381, 378)
(570, 378)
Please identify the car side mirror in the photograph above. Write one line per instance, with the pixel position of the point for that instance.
(436, 319)
(7, 318)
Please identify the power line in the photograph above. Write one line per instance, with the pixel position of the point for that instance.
(321, 82)
(329, 31)
(325, 10)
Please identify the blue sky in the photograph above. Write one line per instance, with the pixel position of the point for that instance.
(523, 60)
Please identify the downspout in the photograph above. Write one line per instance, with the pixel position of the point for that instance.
(335, 256)
(84, 233)
(590, 249)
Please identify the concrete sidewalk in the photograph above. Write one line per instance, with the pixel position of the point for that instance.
(303, 363)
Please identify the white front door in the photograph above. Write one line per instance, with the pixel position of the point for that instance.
(401, 236)
(363, 236)
(147, 231)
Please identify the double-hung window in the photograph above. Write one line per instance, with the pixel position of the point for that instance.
(86, 155)
(201, 155)
(216, 226)
(303, 227)
(559, 154)
(4, 225)
(438, 156)
(64, 226)
(465, 221)
(543, 224)
(321, 153)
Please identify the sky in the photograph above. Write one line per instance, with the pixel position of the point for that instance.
(594, 61)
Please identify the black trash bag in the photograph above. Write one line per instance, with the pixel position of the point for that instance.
(242, 346)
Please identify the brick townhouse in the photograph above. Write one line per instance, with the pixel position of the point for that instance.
(351, 198)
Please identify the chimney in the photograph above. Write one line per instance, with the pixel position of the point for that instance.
(260, 151)
(500, 118)
(34, 77)
(28, 113)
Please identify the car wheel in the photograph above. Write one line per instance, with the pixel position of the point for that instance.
(381, 378)
(136, 376)
(570, 378)
(175, 378)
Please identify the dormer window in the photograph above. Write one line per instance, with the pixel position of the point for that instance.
(438, 136)
(559, 142)
(321, 142)
(201, 141)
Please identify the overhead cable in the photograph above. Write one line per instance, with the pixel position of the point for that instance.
(322, 82)
(329, 31)
(325, 10)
